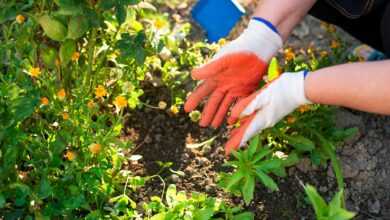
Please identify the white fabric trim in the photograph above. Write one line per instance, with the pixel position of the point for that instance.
(257, 38)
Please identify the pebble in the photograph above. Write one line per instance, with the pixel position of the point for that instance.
(174, 178)
(374, 207)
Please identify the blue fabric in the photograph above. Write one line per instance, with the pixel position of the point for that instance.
(267, 23)
(217, 17)
(305, 74)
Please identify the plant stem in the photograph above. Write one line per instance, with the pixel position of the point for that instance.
(91, 54)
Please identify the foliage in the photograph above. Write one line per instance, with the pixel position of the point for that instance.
(69, 72)
(197, 206)
(332, 211)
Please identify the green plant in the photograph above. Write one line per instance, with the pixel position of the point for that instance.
(197, 206)
(255, 163)
(332, 211)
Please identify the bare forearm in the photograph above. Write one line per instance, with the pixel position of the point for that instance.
(362, 86)
(284, 14)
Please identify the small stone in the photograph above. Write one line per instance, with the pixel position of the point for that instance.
(174, 178)
(304, 165)
(374, 206)
(323, 189)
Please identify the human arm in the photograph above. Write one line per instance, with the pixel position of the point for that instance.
(362, 86)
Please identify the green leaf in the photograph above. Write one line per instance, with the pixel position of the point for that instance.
(77, 27)
(171, 195)
(244, 216)
(2, 201)
(234, 179)
(204, 214)
(319, 204)
(66, 51)
(45, 189)
(121, 13)
(159, 216)
(254, 143)
(248, 189)
(266, 180)
(301, 143)
(53, 28)
(336, 202)
(260, 155)
(342, 215)
(269, 165)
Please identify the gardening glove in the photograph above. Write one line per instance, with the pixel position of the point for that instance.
(234, 72)
(266, 107)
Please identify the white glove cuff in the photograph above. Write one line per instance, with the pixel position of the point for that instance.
(263, 41)
(296, 83)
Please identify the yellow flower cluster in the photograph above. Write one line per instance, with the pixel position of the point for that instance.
(34, 71)
(20, 19)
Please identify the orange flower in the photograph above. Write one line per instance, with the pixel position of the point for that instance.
(334, 44)
(70, 155)
(34, 71)
(289, 54)
(304, 108)
(120, 102)
(75, 56)
(324, 53)
(91, 104)
(291, 119)
(61, 94)
(44, 101)
(95, 148)
(20, 19)
(100, 91)
(65, 115)
(58, 63)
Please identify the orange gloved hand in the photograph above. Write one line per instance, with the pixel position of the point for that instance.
(234, 72)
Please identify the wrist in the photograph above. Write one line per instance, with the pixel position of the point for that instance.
(262, 37)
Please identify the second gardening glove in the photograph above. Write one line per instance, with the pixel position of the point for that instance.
(266, 107)
(234, 72)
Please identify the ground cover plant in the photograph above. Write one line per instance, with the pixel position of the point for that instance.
(71, 74)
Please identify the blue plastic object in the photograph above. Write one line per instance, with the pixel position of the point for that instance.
(217, 17)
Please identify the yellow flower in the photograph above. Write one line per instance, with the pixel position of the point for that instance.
(100, 91)
(222, 42)
(44, 101)
(162, 105)
(334, 44)
(174, 109)
(289, 54)
(20, 19)
(91, 104)
(159, 24)
(65, 115)
(34, 71)
(75, 56)
(61, 94)
(291, 119)
(120, 102)
(70, 155)
(304, 108)
(95, 148)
